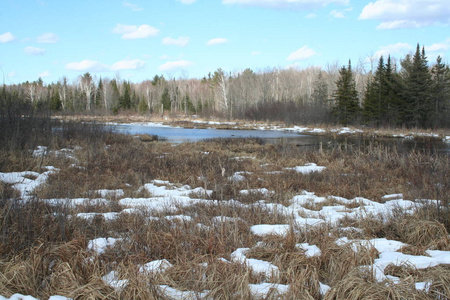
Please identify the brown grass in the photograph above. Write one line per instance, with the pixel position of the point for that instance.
(43, 247)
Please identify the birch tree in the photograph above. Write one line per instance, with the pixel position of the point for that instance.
(86, 85)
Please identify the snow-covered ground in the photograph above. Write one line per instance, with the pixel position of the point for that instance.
(168, 197)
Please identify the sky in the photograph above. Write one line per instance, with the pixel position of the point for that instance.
(137, 39)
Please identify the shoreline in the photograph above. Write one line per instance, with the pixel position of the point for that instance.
(328, 130)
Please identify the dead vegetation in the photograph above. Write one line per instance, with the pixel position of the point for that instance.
(43, 247)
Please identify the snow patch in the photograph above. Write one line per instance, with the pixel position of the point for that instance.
(265, 229)
(307, 168)
(256, 265)
(310, 250)
(156, 266)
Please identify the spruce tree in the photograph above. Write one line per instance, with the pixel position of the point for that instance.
(115, 96)
(346, 107)
(393, 86)
(142, 106)
(125, 99)
(165, 100)
(55, 101)
(417, 90)
(99, 93)
(320, 93)
(375, 96)
(440, 94)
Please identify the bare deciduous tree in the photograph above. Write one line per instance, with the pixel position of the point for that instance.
(86, 85)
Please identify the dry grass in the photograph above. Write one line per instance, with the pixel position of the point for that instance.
(360, 285)
(43, 247)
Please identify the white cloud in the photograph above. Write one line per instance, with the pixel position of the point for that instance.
(128, 65)
(217, 41)
(340, 14)
(7, 37)
(407, 13)
(299, 4)
(175, 65)
(44, 74)
(180, 41)
(130, 32)
(34, 51)
(301, 54)
(393, 50)
(187, 1)
(47, 38)
(87, 65)
(132, 6)
(337, 14)
(311, 16)
(437, 47)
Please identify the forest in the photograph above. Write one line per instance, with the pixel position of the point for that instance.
(411, 92)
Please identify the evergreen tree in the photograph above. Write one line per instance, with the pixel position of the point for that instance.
(165, 99)
(417, 89)
(393, 92)
(125, 99)
(320, 92)
(99, 94)
(440, 94)
(55, 101)
(375, 95)
(143, 106)
(346, 107)
(115, 96)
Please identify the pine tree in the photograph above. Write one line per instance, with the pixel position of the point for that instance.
(165, 100)
(320, 93)
(440, 93)
(417, 90)
(375, 95)
(346, 107)
(393, 86)
(115, 96)
(55, 101)
(99, 93)
(125, 99)
(142, 106)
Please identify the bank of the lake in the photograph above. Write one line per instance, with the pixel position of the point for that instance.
(442, 134)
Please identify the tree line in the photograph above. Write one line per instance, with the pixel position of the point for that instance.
(414, 96)
(411, 94)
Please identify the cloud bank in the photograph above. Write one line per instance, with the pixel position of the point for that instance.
(133, 7)
(395, 14)
(216, 41)
(175, 65)
(131, 32)
(298, 4)
(181, 41)
(87, 66)
(134, 64)
(187, 1)
(301, 54)
(7, 37)
(47, 38)
(34, 51)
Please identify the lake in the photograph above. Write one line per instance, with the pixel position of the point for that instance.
(182, 135)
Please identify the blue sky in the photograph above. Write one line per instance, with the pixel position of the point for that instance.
(137, 39)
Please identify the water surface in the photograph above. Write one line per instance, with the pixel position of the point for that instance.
(304, 141)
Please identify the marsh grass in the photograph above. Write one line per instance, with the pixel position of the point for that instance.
(43, 246)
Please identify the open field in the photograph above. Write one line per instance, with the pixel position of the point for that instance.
(101, 215)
